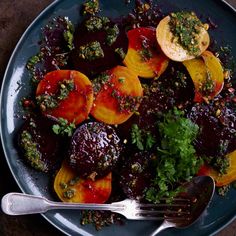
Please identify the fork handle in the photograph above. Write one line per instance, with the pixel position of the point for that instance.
(24, 204)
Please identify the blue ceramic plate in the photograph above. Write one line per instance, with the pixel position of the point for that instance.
(16, 85)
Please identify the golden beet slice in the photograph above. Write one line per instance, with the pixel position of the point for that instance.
(144, 56)
(226, 179)
(67, 94)
(70, 188)
(207, 75)
(215, 71)
(119, 97)
(172, 48)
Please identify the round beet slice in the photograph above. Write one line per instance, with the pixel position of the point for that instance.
(94, 150)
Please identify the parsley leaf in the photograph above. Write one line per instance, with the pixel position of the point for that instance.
(64, 127)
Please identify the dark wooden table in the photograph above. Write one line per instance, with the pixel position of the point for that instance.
(15, 16)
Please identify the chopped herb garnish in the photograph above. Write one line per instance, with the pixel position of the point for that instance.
(121, 80)
(31, 152)
(63, 185)
(73, 181)
(91, 51)
(33, 61)
(100, 219)
(96, 23)
(66, 86)
(69, 193)
(182, 79)
(69, 34)
(99, 81)
(186, 27)
(222, 191)
(112, 34)
(64, 127)
(91, 7)
(208, 86)
(120, 52)
(46, 101)
(221, 164)
(177, 160)
(93, 24)
(146, 54)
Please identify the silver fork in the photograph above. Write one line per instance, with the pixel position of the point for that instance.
(22, 204)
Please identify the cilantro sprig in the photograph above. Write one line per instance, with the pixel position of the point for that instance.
(176, 159)
(143, 140)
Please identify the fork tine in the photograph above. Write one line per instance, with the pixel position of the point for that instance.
(162, 218)
(149, 205)
(155, 212)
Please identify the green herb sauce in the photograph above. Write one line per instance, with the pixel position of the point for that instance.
(145, 53)
(46, 101)
(91, 7)
(69, 34)
(31, 152)
(185, 27)
(120, 52)
(208, 86)
(112, 34)
(100, 81)
(96, 23)
(91, 51)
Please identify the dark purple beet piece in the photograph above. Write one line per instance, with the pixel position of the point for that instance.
(40, 146)
(217, 129)
(110, 59)
(94, 150)
(135, 175)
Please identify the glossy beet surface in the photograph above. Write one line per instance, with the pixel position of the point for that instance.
(94, 150)
(217, 136)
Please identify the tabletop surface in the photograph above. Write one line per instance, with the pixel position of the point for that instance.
(15, 16)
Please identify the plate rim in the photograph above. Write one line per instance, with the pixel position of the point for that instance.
(7, 68)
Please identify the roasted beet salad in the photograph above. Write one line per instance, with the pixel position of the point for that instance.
(130, 107)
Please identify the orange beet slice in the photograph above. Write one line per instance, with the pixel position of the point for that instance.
(77, 105)
(144, 56)
(207, 68)
(226, 179)
(70, 188)
(119, 97)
